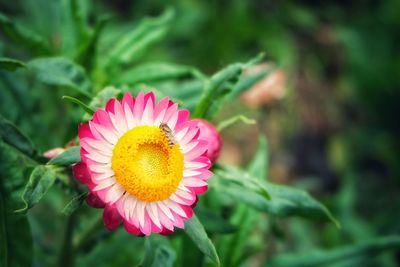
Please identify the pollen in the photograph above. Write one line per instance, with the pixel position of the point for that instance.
(145, 165)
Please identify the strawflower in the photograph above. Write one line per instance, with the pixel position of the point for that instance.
(144, 163)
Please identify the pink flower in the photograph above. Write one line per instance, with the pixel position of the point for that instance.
(144, 163)
(209, 132)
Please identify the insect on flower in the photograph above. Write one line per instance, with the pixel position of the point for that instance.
(168, 133)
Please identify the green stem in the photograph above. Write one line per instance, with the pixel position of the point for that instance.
(86, 237)
(67, 255)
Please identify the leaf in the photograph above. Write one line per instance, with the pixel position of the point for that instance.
(22, 35)
(40, 181)
(213, 222)
(15, 233)
(12, 136)
(285, 201)
(246, 82)
(158, 253)
(195, 230)
(249, 221)
(68, 157)
(88, 50)
(157, 71)
(243, 179)
(85, 107)
(149, 31)
(335, 256)
(213, 90)
(229, 122)
(15, 238)
(74, 204)
(10, 64)
(258, 167)
(59, 71)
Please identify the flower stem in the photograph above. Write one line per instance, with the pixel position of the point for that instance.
(86, 237)
(67, 256)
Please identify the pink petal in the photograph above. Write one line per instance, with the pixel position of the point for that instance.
(139, 106)
(110, 105)
(101, 117)
(84, 131)
(97, 157)
(178, 222)
(147, 116)
(166, 221)
(94, 201)
(152, 211)
(106, 183)
(128, 99)
(175, 207)
(200, 190)
(193, 182)
(191, 134)
(174, 197)
(205, 174)
(200, 163)
(114, 193)
(81, 173)
(146, 228)
(199, 150)
(160, 109)
(132, 229)
(120, 116)
(105, 133)
(170, 112)
(183, 116)
(111, 217)
(166, 232)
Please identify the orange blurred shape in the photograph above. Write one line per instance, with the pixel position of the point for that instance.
(267, 91)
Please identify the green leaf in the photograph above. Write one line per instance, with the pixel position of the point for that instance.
(215, 88)
(12, 136)
(156, 71)
(213, 222)
(74, 204)
(10, 64)
(149, 31)
(332, 257)
(285, 201)
(244, 179)
(68, 157)
(85, 107)
(59, 71)
(22, 35)
(158, 253)
(231, 121)
(15, 238)
(88, 50)
(15, 233)
(258, 167)
(246, 82)
(40, 181)
(249, 221)
(195, 230)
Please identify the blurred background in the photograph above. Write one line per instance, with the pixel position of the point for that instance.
(328, 106)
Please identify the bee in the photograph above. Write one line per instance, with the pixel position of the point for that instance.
(168, 133)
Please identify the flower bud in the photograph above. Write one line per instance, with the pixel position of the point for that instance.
(209, 133)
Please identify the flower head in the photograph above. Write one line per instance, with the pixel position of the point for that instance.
(214, 141)
(144, 163)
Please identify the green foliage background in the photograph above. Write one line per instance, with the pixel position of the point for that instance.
(335, 134)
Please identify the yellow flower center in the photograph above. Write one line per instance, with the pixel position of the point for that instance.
(146, 165)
